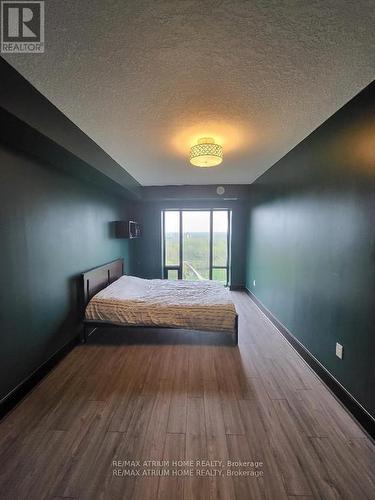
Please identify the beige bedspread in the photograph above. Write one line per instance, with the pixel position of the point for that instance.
(197, 305)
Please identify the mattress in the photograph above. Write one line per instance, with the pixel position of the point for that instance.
(196, 305)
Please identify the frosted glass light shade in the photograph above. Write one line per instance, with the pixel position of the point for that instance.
(206, 153)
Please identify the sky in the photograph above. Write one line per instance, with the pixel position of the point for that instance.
(194, 221)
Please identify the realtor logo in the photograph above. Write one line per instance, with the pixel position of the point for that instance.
(22, 27)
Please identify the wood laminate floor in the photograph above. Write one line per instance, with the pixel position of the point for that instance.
(179, 402)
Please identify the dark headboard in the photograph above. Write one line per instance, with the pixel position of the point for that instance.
(98, 278)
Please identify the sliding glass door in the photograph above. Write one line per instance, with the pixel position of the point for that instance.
(172, 248)
(220, 246)
(196, 244)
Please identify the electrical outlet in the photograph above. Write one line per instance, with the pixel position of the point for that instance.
(339, 350)
(254, 283)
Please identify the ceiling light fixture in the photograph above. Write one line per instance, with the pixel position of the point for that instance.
(206, 153)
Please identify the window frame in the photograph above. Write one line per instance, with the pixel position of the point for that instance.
(212, 267)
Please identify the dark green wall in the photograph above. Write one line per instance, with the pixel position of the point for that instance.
(53, 226)
(311, 244)
(148, 259)
(59, 192)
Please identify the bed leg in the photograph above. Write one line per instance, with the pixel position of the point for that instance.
(235, 335)
(84, 334)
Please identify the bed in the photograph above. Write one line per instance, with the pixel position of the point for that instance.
(113, 299)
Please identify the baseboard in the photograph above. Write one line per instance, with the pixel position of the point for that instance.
(351, 404)
(19, 392)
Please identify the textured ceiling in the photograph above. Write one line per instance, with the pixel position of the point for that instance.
(146, 78)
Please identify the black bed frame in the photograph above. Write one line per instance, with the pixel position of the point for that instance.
(100, 277)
